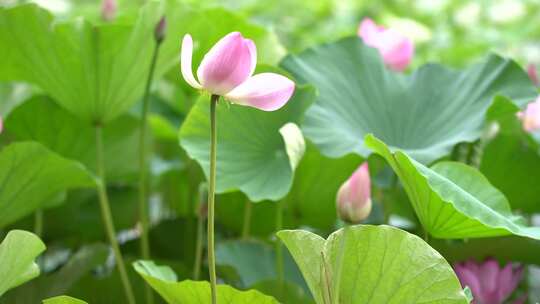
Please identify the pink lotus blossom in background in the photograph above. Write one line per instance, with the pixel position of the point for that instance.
(353, 201)
(395, 48)
(1, 125)
(533, 75)
(531, 116)
(227, 70)
(489, 283)
(108, 9)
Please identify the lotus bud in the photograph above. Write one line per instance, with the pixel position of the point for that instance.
(488, 281)
(530, 118)
(395, 48)
(1, 124)
(108, 10)
(533, 75)
(160, 30)
(353, 202)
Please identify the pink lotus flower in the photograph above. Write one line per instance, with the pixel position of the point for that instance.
(531, 70)
(1, 125)
(531, 116)
(227, 70)
(488, 282)
(108, 9)
(396, 49)
(353, 201)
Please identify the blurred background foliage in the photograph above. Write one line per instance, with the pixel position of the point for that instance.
(452, 32)
(455, 32)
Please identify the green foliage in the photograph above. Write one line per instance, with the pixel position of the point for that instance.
(253, 155)
(163, 280)
(64, 69)
(453, 200)
(32, 178)
(66, 135)
(424, 114)
(81, 263)
(18, 251)
(63, 300)
(372, 264)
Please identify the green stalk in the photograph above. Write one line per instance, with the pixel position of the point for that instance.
(143, 155)
(38, 222)
(143, 170)
(279, 249)
(107, 218)
(198, 249)
(211, 196)
(247, 220)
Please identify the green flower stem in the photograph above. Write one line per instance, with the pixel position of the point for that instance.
(279, 249)
(143, 170)
(107, 218)
(247, 219)
(143, 155)
(211, 196)
(38, 222)
(198, 248)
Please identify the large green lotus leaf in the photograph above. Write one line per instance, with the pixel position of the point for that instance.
(97, 70)
(17, 254)
(372, 264)
(32, 176)
(512, 164)
(57, 283)
(453, 200)
(255, 261)
(70, 137)
(63, 300)
(163, 280)
(424, 114)
(254, 155)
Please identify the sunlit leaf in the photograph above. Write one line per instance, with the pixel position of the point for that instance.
(63, 300)
(17, 254)
(57, 283)
(453, 200)
(163, 280)
(372, 264)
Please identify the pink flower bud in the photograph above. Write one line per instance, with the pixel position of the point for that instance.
(531, 70)
(354, 196)
(489, 283)
(395, 48)
(227, 70)
(531, 116)
(161, 28)
(108, 10)
(1, 125)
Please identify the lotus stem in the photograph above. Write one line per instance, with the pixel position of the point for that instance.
(247, 219)
(211, 196)
(106, 215)
(279, 249)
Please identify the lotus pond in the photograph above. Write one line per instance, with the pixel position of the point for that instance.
(295, 152)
